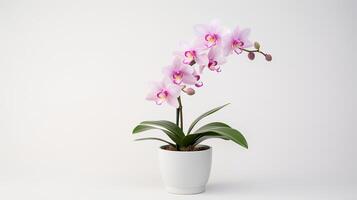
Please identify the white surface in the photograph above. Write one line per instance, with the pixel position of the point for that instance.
(218, 189)
(74, 74)
(185, 172)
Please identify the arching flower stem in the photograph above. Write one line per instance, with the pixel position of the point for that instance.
(253, 51)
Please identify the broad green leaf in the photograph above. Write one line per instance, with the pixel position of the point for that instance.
(154, 138)
(208, 135)
(195, 139)
(170, 126)
(209, 126)
(229, 133)
(174, 138)
(191, 139)
(203, 116)
(203, 138)
(143, 127)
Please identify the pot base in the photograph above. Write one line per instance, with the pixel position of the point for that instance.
(187, 190)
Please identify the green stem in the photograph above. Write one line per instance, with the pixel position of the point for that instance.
(253, 51)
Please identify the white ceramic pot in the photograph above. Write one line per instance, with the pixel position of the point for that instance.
(185, 172)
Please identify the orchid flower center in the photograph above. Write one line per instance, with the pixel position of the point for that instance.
(161, 96)
(212, 65)
(190, 56)
(237, 44)
(211, 39)
(177, 77)
(198, 83)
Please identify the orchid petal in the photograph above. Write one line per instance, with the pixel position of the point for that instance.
(189, 79)
(221, 60)
(151, 96)
(173, 102)
(248, 44)
(174, 90)
(202, 60)
(227, 48)
(235, 32)
(243, 35)
(201, 68)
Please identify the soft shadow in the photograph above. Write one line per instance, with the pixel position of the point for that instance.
(239, 187)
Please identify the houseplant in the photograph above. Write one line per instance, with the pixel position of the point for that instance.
(184, 163)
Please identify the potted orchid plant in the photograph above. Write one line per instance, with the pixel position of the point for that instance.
(185, 163)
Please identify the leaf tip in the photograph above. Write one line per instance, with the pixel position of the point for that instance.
(136, 129)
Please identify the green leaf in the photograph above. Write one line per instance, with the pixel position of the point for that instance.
(205, 137)
(209, 126)
(229, 133)
(205, 131)
(190, 139)
(170, 126)
(203, 116)
(154, 138)
(143, 127)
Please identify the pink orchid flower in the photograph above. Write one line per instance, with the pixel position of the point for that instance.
(180, 73)
(216, 59)
(234, 41)
(193, 52)
(165, 91)
(210, 34)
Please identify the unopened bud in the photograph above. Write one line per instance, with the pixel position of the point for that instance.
(190, 91)
(251, 55)
(256, 45)
(268, 57)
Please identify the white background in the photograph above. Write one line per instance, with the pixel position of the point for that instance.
(74, 75)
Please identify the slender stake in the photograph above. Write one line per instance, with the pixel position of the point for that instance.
(177, 123)
(180, 111)
(177, 116)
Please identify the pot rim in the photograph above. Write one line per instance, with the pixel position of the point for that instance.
(189, 152)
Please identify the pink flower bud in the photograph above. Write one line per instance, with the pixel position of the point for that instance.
(190, 91)
(268, 57)
(251, 55)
